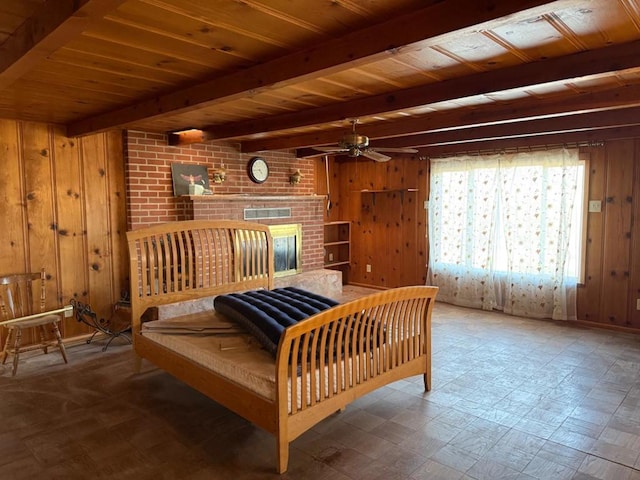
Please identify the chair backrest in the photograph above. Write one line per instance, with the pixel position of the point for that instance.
(22, 294)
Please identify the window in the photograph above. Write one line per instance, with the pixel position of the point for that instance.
(506, 231)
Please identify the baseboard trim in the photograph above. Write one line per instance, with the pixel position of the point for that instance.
(604, 326)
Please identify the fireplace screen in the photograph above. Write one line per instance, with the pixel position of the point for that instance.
(287, 248)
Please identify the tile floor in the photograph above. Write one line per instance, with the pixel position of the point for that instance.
(511, 398)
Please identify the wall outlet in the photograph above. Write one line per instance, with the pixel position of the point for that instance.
(595, 206)
(638, 304)
(368, 268)
(331, 257)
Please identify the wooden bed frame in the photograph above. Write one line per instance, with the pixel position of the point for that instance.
(360, 346)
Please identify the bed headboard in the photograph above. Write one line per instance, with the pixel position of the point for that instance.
(178, 261)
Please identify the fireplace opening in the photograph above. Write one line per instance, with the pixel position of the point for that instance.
(287, 249)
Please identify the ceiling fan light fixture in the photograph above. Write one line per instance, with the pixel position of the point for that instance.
(354, 151)
(353, 139)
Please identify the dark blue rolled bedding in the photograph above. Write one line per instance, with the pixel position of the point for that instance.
(266, 313)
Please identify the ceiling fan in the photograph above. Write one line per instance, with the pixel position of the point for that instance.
(355, 145)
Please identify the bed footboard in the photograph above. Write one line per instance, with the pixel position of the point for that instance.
(340, 354)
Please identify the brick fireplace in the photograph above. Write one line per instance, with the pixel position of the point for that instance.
(306, 210)
(150, 198)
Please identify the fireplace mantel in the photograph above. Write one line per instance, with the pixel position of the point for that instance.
(241, 197)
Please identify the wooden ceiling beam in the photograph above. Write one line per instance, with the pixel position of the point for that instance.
(404, 33)
(580, 65)
(53, 25)
(541, 126)
(589, 137)
(501, 112)
(596, 121)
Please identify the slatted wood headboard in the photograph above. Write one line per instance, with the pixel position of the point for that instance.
(187, 260)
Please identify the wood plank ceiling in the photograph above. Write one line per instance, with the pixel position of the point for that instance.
(282, 74)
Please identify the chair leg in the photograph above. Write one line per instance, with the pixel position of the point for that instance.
(16, 350)
(43, 339)
(5, 351)
(63, 351)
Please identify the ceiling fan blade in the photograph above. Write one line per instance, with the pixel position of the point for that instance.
(314, 155)
(396, 150)
(373, 155)
(331, 149)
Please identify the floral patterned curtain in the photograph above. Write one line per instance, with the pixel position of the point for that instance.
(500, 231)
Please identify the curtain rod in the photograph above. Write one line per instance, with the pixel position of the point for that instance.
(496, 151)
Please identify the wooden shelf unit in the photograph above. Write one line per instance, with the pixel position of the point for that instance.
(337, 246)
(401, 191)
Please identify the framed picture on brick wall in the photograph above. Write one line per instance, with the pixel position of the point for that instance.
(189, 179)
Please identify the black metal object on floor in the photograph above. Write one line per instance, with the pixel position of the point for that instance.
(108, 327)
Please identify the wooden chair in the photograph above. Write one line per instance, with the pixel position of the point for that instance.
(22, 306)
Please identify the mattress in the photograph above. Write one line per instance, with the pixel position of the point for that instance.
(212, 341)
(234, 355)
(241, 359)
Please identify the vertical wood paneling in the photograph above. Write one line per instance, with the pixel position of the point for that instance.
(39, 195)
(409, 232)
(617, 240)
(57, 192)
(70, 228)
(366, 177)
(12, 233)
(40, 210)
(422, 249)
(400, 214)
(634, 284)
(117, 213)
(386, 233)
(389, 237)
(364, 240)
(351, 211)
(612, 268)
(589, 298)
(98, 222)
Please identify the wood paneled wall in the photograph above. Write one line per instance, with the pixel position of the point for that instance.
(64, 209)
(388, 221)
(612, 270)
(389, 229)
